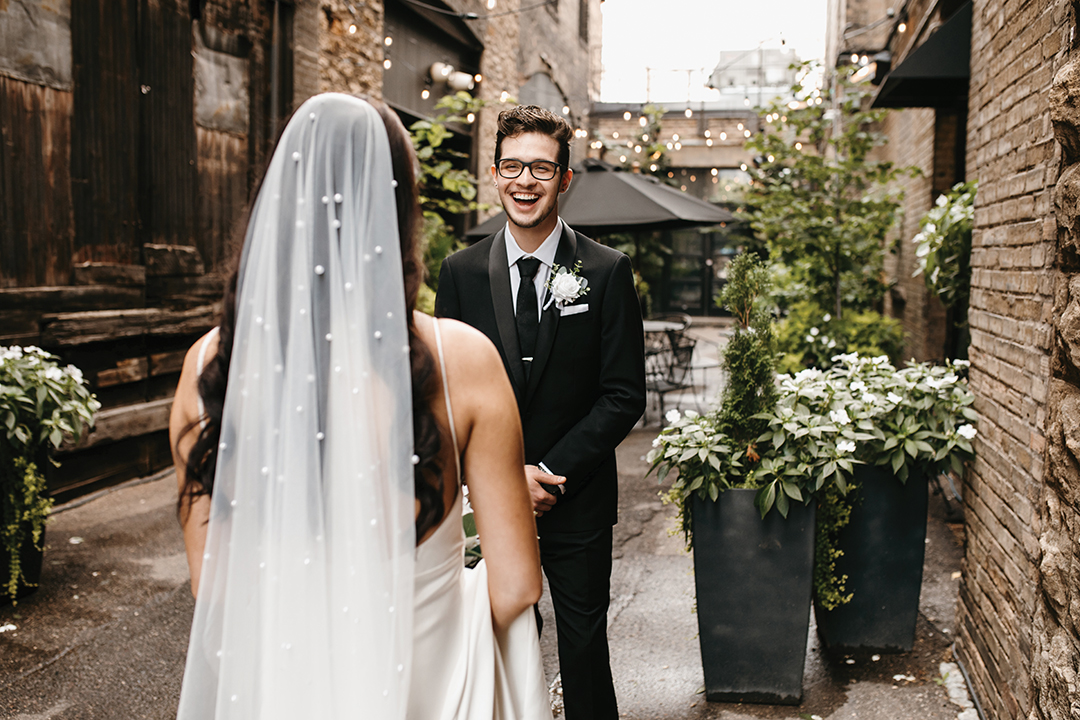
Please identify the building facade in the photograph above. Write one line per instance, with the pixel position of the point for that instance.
(990, 90)
(135, 131)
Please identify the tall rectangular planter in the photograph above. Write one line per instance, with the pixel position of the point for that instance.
(753, 581)
(883, 547)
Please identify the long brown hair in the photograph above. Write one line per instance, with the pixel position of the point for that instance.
(427, 439)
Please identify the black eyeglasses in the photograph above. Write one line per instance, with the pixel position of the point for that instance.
(511, 168)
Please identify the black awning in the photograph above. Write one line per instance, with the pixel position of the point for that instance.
(936, 73)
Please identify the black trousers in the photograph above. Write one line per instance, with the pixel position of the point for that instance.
(578, 570)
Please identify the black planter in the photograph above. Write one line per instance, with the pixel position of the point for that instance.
(753, 580)
(883, 548)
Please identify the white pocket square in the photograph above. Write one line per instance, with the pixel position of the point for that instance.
(573, 309)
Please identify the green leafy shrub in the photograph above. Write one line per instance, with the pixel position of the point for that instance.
(810, 337)
(41, 404)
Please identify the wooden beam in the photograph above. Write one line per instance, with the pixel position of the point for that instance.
(126, 371)
(165, 363)
(124, 422)
(92, 273)
(72, 298)
(172, 260)
(70, 329)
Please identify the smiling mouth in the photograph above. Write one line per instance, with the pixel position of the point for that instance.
(525, 198)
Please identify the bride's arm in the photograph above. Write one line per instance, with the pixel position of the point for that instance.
(494, 468)
(183, 430)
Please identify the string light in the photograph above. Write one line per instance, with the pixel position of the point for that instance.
(387, 41)
(723, 136)
(746, 133)
(798, 146)
(772, 158)
(352, 29)
(854, 58)
(653, 167)
(622, 158)
(743, 167)
(565, 109)
(715, 172)
(689, 113)
(503, 96)
(645, 137)
(478, 77)
(693, 178)
(615, 135)
(675, 137)
(740, 126)
(678, 146)
(386, 63)
(637, 148)
(708, 142)
(643, 121)
(708, 133)
(626, 116)
(902, 27)
(491, 4)
(470, 117)
(425, 93)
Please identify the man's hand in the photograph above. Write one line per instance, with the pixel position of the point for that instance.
(542, 500)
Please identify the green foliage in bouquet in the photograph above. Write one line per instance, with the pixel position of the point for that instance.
(944, 245)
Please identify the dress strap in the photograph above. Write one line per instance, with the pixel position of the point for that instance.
(198, 373)
(446, 396)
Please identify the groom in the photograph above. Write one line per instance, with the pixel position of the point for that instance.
(574, 351)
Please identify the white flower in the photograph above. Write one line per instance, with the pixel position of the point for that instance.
(845, 447)
(54, 373)
(809, 338)
(826, 318)
(949, 379)
(832, 344)
(840, 417)
(893, 398)
(961, 363)
(814, 331)
(672, 417)
(656, 441)
(567, 285)
(858, 386)
(869, 398)
(75, 373)
(941, 201)
(967, 431)
(929, 228)
(922, 251)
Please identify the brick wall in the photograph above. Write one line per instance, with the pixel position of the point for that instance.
(1003, 622)
(912, 143)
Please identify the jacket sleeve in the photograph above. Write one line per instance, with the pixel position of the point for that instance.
(621, 400)
(447, 303)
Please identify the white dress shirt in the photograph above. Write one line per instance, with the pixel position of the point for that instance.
(545, 254)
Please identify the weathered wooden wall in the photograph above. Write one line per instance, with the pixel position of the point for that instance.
(36, 221)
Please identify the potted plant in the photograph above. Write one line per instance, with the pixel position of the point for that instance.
(41, 403)
(752, 567)
(871, 436)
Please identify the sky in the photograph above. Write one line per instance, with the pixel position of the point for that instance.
(674, 36)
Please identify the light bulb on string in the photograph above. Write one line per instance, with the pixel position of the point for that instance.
(689, 113)
(386, 63)
(902, 27)
(490, 4)
(425, 93)
(565, 109)
(388, 41)
(643, 121)
(352, 29)
(708, 133)
(723, 136)
(708, 142)
(615, 135)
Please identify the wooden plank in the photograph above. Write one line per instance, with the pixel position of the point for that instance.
(19, 327)
(92, 273)
(126, 371)
(71, 298)
(69, 329)
(125, 422)
(167, 362)
(172, 260)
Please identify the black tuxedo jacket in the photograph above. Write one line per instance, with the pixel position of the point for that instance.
(586, 389)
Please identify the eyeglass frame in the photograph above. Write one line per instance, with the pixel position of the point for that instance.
(559, 167)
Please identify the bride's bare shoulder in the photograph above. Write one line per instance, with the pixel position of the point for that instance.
(468, 352)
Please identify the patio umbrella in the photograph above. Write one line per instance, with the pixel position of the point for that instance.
(603, 200)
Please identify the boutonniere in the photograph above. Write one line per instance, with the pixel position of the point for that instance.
(565, 285)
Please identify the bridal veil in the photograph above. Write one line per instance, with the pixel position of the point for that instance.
(305, 600)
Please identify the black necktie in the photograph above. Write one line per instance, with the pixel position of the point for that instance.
(528, 318)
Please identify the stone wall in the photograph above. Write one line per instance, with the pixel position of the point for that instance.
(1056, 632)
(1011, 617)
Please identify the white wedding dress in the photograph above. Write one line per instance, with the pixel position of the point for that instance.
(461, 669)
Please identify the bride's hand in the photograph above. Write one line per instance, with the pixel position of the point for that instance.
(542, 500)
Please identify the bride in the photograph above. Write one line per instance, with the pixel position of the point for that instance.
(321, 436)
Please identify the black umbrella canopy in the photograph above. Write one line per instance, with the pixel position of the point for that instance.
(603, 200)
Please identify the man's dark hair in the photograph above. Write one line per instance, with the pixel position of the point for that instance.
(531, 118)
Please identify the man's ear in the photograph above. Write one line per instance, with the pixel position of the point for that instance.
(495, 176)
(564, 184)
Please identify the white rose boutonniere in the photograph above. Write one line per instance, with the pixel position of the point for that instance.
(565, 285)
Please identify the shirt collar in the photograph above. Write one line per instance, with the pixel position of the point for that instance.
(545, 253)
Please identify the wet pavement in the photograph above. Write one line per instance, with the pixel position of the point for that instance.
(106, 634)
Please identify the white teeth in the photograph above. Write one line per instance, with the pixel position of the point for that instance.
(525, 196)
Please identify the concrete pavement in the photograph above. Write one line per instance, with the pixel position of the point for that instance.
(106, 634)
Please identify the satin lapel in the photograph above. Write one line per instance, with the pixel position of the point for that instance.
(549, 321)
(503, 302)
